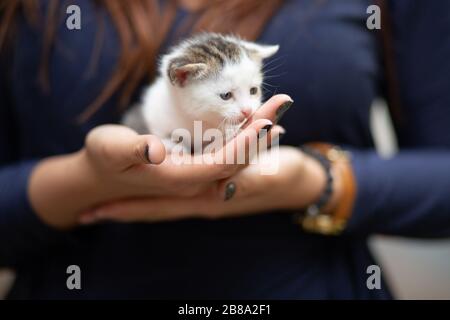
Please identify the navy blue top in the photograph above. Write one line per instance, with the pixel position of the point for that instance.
(329, 64)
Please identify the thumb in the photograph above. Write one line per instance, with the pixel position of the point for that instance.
(124, 147)
(144, 149)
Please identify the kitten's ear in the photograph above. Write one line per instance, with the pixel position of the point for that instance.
(180, 73)
(260, 52)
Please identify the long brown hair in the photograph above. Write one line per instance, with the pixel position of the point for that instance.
(142, 26)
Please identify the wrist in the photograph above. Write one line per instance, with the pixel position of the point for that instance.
(329, 214)
(301, 180)
(315, 180)
(337, 188)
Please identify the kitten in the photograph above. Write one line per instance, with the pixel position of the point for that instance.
(210, 77)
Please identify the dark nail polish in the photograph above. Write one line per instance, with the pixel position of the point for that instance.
(264, 130)
(281, 110)
(230, 190)
(147, 154)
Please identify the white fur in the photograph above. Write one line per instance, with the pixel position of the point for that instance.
(167, 107)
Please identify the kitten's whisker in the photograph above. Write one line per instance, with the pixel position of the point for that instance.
(222, 125)
(275, 76)
(267, 74)
(268, 84)
(269, 87)
(273, 68)
(273, 61)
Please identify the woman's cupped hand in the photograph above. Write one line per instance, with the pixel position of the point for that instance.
(117, 165)
(280, 178)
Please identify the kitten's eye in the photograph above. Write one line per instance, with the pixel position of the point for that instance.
(253, 90)
(226, 96)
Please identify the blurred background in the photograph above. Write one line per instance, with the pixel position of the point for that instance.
(415, 269)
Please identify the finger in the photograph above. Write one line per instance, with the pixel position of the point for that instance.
(246, 151)
(147, 149)
(274, 108)
(245, 184)
(123, 146)
(271, 139)
(223, 163)
(249, 182)
(277, 130)
(237, 152)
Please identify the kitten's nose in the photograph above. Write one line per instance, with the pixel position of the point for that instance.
(246, 112)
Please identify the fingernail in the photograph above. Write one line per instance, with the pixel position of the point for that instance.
(264, 130)
(281, 110)
(230, 190)
(147, 154)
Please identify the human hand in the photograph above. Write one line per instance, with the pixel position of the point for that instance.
(298, 183)
(118, 163)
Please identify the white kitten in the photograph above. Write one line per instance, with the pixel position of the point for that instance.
(212, 78)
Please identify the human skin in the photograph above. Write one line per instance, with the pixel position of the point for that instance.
(298, 183)
(114, 165)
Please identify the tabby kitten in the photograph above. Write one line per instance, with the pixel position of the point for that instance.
(210, 77)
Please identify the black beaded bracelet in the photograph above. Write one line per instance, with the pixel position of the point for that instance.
(315, 208)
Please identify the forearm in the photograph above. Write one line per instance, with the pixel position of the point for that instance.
(406, 195)
(23, 236)
(62, 186)
(310, 184)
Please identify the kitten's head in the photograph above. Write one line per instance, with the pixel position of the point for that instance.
(217, 78)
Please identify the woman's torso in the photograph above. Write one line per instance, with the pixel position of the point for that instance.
(327, 64)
